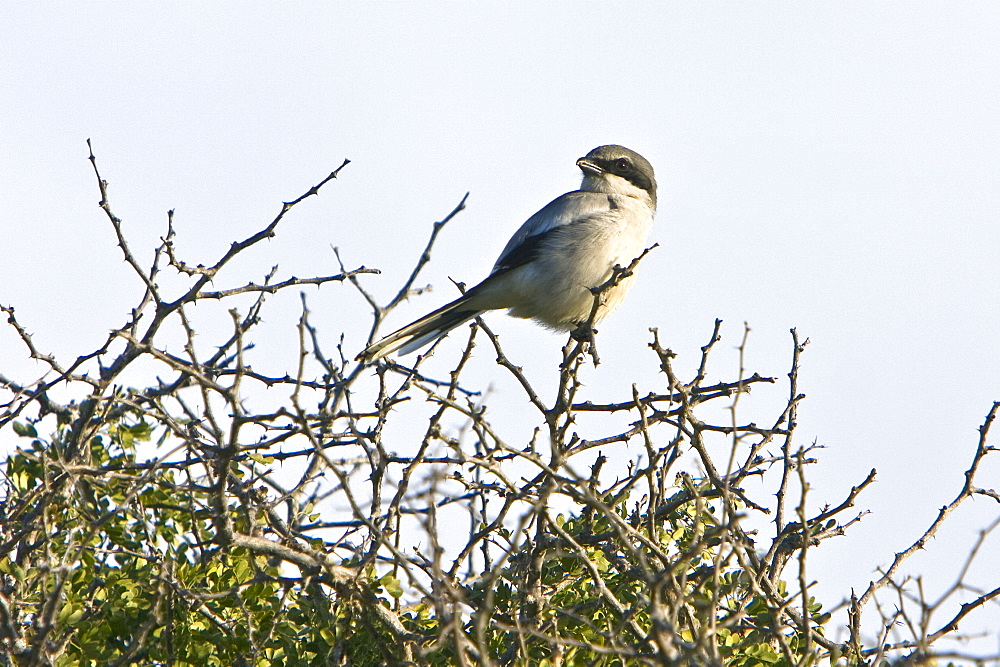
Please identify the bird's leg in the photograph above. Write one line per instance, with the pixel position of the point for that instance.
(586, 335)
(583, 333)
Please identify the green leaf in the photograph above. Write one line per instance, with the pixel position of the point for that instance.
(70, 614)
(392, 586)
(141, 431)
(25, 430)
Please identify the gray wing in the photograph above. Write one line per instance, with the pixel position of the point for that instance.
(524, 245)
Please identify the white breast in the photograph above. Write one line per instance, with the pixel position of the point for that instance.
(554, 289)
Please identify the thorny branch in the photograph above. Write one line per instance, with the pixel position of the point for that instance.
(391, 515)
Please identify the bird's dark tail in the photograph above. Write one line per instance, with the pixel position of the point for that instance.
(427, 329)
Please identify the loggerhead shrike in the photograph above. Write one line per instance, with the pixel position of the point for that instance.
(549, 266)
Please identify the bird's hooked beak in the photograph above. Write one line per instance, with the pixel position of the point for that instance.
(588, 167)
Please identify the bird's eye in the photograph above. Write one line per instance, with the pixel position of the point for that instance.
(622, 164)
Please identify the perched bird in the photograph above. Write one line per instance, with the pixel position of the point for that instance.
(549, 266)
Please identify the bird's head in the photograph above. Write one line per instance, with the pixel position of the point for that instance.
(617, 170)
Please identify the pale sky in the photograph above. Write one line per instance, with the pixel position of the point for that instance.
(828, 167)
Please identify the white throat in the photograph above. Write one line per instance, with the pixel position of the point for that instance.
(611, 184)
